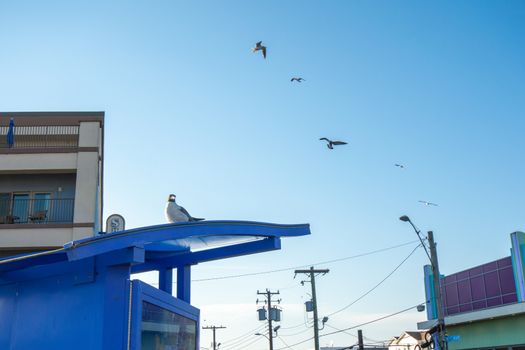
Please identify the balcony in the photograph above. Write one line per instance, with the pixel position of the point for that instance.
(20, 210)
(31, 137)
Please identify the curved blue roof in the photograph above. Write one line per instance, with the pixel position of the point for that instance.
(170, 245)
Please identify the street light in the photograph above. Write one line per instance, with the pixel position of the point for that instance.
(435, 274)
(323, 321)
(407, 219)
(275, 329)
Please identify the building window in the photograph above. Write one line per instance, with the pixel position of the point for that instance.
(20, 207)
(5, 207)
(40, 207)
(35, 208)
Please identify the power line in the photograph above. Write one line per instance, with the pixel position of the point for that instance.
(377, 285)
(245, 346)
(240, 343)
(302, 266)
(337, 329)
(304, 323)
(373, 288)
(369, 291)
(356, 326)
(301, 342)
(373, 341)
(372, 321)
(242, 338)
(249, 332)
(281, 339)
(291, 335)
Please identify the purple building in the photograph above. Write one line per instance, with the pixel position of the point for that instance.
(484, 306)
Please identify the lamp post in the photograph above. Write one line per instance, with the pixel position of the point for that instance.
(275, 329)
(432, 256)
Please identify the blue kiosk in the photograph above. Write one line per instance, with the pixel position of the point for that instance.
(82, 297)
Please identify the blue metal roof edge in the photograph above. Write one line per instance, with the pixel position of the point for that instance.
(228, 224)
(138, 237)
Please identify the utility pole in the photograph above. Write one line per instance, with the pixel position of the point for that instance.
(268, 294)
(213, 328)
(360, 339)
(443, 344)
(312, 273)
(437, 289)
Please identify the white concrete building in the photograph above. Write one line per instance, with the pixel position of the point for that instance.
(51, 174)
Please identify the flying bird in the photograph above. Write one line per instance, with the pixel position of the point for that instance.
(428, 203)
(297, 79)
(330, 144)
(176, 213)
(400, 166)
(259, 47)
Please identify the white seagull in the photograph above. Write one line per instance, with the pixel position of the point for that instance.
(259, 47)
(428, 203)
(176, 213)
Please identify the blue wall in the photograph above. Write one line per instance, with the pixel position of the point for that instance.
(85, 308)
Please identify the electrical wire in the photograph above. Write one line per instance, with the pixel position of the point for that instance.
(301, 332)
(370, 290)
(287, 346)
(232, 343)
(302, 266)
(249, 333)
(296, 326)
(357, 326)
(239, 342)
(301, 342)
(373, 341)
(245, 346)
(337, 329)
(245, 342)
(330, 261)
(377, 285)
(372, 321)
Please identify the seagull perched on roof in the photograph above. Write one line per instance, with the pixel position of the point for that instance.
(259, 47)
(176, 213)
(330, 144)
(297, 79)
(428, 203)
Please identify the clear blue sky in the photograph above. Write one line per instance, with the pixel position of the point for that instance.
(437, 86)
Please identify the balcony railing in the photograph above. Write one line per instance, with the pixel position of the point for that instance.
(36, 211)
(40, 136)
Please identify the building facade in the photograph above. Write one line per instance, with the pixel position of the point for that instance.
(484, 306)
(408, 340)
(51, 171)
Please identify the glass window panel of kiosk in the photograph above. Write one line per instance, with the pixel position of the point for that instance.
(165, 330)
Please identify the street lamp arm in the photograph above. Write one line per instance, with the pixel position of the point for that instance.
(418, 233)
(264, 335)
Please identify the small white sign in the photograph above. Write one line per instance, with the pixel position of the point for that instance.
(115, 223)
